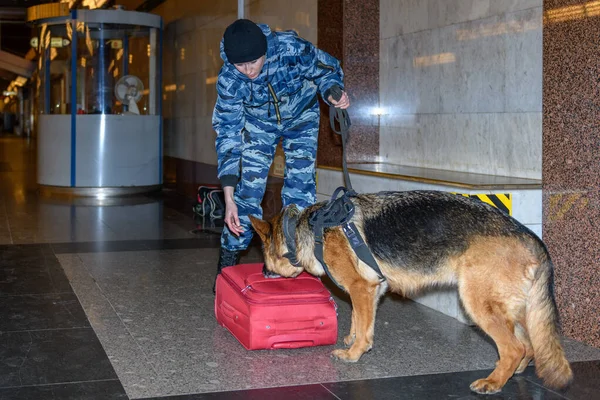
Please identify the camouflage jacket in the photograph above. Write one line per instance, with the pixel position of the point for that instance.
(293, 72)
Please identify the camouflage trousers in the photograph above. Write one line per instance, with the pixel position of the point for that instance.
(259, 144)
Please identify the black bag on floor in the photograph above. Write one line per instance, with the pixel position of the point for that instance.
(210, 202)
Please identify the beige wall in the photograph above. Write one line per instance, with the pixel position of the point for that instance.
(191, 62)
(461, 85)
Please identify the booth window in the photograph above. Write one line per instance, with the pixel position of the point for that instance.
(106, 53)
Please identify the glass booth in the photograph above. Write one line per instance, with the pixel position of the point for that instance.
(99, 102)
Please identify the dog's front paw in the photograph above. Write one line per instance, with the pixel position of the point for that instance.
(344, 355)
(485, 386)
(269, 274)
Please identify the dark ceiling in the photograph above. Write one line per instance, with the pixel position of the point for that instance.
(14, 32)
(23, 3)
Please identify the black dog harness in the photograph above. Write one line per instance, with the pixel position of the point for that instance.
(337, 212)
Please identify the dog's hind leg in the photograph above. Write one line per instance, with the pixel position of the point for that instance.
(493, 283)
(365, 296)
(490, 317)
(523, 336)
(492, 309)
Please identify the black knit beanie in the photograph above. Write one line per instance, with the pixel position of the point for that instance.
(244, 41)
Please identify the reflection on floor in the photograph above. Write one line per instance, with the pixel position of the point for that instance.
(114, 301)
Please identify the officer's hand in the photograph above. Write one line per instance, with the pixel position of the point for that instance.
(231, 212)
(231, 218)
(343, 102)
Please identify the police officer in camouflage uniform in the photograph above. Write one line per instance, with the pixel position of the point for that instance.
(267, 90)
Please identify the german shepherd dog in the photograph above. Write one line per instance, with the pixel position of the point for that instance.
(423, 239)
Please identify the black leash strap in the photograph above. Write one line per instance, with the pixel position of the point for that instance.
(319, 255)
(343, 121)
(360, 248)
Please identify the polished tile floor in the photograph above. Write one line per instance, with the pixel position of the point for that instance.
(113, 300)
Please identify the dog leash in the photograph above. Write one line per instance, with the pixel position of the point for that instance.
(343, 121)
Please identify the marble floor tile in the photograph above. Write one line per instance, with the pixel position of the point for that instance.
(42, 311)
(305, 392)
(52, 356)
(98, 246)
(98, 390)
(25, 273)
(586, 380)
(439, 386)
(129, 359)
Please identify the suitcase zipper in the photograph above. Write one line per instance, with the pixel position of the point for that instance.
(279, 302)
(332, 301)
(248, 287)
(258, 291)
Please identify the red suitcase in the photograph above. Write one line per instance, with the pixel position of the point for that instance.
(274, 313)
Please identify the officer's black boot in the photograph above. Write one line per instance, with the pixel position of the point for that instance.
(227, 258)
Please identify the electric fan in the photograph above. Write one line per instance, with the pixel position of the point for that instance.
(128, 91)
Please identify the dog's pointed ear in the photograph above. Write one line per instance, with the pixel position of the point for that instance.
(262, 227)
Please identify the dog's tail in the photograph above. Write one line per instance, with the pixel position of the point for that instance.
(542, 320)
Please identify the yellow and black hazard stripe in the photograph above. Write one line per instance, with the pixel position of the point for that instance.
(502, 201)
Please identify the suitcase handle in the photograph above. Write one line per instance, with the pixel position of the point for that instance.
(283, 327)
(228, 311)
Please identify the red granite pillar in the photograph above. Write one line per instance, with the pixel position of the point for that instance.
(349, 30)
(571, 163)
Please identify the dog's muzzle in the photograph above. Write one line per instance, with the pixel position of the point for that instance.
(269, 274)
